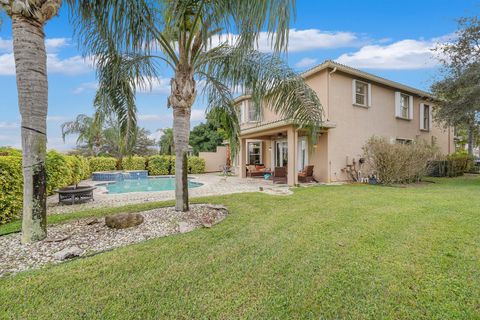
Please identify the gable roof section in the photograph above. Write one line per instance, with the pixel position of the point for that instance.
(365, 75)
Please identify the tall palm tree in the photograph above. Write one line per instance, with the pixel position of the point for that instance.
(88, 129)
(166, 144)
(28, 20)
(132, 37)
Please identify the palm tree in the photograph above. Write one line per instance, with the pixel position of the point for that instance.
(166, 142)
(130, 38)
(88, 129)
(28, 19)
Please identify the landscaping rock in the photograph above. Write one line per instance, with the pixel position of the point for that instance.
(68, 253)
(92, 221)
(123, 221)
(184, 227)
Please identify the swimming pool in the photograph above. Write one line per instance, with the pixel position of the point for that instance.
(146, 185)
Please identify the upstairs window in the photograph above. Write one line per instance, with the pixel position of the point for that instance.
(425, 117)
(361, 93)
(253, 112)
(403, 106)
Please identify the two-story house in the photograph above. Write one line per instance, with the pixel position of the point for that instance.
(357, 106)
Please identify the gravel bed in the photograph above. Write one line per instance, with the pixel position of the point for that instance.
(87, 236)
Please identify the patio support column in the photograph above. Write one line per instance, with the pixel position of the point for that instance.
(292, 137)
(243, 158)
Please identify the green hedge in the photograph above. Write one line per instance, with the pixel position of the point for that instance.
(133, 163)
(454, 165)
(59, 172)
(102, 164)
(80, 168)
(196, 165)
(11, 184)
(164, 165)
(161, 165)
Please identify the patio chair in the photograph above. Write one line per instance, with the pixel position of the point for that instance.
(256, 171)
(279, 175)
(306, 175)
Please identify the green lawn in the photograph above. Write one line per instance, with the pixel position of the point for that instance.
(355, 252)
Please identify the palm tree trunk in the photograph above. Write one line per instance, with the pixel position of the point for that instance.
(181, 99)
(32, 86)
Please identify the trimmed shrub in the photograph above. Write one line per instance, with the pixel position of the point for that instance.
(11, 184)
(133, 163)
(80, 169)
(398, 163)
(196, 165)
(159, 165)
(102, 164)
(453, 165)
(7, 151)
(59, 171)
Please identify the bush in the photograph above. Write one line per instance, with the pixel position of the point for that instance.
(11, 184)
(102, 164)
(8, 151)
(397, 163)
(133, 163)
(80, 168)
(453, 165)
(196, 165)
(160, 165)
(59, 171)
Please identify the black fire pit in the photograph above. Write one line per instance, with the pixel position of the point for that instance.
(70, 195)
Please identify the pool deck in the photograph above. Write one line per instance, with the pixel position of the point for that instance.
(213, 184)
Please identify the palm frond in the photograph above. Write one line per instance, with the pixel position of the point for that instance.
(268, 79)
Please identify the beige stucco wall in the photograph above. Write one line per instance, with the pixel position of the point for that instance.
(355, 125)
(214, 160)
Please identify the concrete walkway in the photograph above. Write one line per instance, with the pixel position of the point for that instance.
(213, 184)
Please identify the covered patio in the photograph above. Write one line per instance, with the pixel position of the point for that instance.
(281, 144)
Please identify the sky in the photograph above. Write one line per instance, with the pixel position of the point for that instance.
(392, 39)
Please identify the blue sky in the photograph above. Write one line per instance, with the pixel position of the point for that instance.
(388, 38)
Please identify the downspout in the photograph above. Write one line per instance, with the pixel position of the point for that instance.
(329, 162)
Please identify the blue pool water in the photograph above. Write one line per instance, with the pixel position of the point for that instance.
(146, 185)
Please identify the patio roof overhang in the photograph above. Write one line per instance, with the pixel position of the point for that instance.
(267, 128)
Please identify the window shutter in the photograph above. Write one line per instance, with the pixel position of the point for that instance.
(430, 111)
(354, 91)
(422, 115)
(410, 107)
(369, 95)
(398, 111)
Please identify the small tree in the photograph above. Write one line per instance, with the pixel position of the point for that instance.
(206, 137)
(459, 90)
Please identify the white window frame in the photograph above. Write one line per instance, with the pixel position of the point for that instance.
(403, 141)
(368, 98)
(398, 106)
(423, 107)
(249, 106)
(261, 150)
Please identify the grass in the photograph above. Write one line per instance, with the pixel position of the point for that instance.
(355, 252)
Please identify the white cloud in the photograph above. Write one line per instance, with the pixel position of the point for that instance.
(302, 40)
(154, 117)
(7, 64)
(86, 86)
(57, 118)
(306, 62)
(400, 55)
(53, 44)
(157, 86)
(197, 115)
(8, 125)
(6, 45)
(70, 66)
